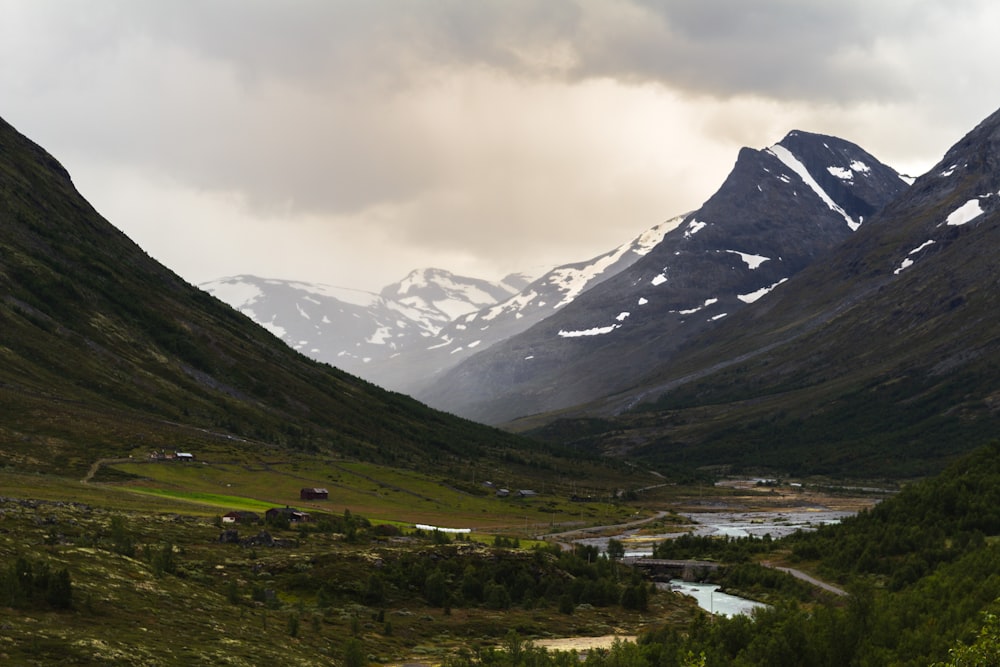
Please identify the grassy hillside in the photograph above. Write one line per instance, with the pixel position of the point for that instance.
(107, 353)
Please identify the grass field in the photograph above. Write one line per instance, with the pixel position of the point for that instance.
(380, 493)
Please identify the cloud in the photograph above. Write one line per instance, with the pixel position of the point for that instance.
(486, 136)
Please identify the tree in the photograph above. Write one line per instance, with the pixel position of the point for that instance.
(59, 591)
(984, 651)
(354, 653)
(436, 588)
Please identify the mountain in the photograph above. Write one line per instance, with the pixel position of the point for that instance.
(778, 211)
(107, 353)
(881, 356)
(414, 330)
(354, 329)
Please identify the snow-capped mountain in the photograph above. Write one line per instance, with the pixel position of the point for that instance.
(474, 332)
(351, 328)
(417, 328)
(779, 209)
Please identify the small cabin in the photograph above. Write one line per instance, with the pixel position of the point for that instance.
(527, 493)
(183, 456)
(313, 494)
(240, 516)
(290, 513)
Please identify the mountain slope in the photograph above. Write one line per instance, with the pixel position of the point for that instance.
(105, 351)
(882, 356)
(352, 329)
(778, 211)
(414, 330)
(417, 367)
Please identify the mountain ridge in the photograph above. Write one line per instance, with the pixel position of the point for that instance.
(764, 224)
(399, 338)
(882, 354)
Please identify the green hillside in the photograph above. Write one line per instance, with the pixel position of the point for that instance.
(106, 353)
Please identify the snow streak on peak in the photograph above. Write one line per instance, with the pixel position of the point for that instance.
(795, 165)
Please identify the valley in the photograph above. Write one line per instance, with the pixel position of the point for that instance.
(281, 598)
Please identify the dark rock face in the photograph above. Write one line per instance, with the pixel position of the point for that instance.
(779, 210)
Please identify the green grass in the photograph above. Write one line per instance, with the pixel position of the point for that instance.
(378, 492)
(201, 498)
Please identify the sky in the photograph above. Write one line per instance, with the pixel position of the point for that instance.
(349, 142)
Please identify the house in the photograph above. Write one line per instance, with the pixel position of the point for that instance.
(240, 516)
(503, 493)
(183, 456)
(526, 493)
(290, 514)
(313, 494)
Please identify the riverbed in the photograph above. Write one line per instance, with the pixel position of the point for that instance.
(711, 599)
(776, 523)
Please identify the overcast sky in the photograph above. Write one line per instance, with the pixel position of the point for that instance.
(350, 142)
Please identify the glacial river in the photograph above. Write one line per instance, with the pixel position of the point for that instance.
(731, 524)
(710, 599)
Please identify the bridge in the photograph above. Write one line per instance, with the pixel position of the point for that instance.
(659, 569)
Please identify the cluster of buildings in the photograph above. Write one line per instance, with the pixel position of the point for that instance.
(505, 493)
(162, 455)
(290, 514)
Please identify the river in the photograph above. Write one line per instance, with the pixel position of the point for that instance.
(710, 599)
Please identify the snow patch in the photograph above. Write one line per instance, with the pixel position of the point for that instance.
(841, 173)
(753, 261)
(717, 317)
(621, 317)
(753, 296)
(596, 331)
(643, 301)
(860, 167)
(921, 247)
(692, 311)
(381, 336)
(694, 227)
(658, 280)
(967, 212)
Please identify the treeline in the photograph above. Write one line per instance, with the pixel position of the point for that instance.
(924, 526)
(458, 575)
(724, 549)
(27, 585)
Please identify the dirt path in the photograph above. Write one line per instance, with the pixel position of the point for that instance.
(562, 538)
(799, 574)
(97, 466)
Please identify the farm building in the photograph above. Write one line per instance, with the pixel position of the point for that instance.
(313, 494)
(290, 513)
(240, 516)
